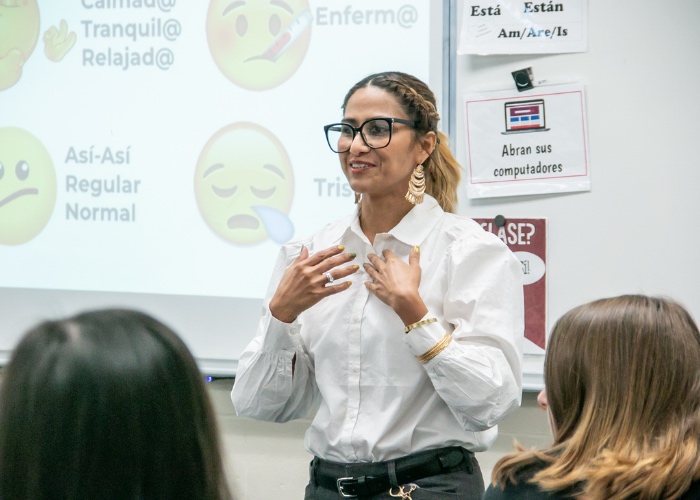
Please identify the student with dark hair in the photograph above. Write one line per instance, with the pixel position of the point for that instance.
(107, 404)
(404, 319)
(622, 379)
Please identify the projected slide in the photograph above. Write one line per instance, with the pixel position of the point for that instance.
(171, 146)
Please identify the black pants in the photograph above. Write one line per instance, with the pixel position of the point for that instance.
(461, 481)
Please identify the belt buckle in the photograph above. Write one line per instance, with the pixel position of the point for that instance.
(342, 483)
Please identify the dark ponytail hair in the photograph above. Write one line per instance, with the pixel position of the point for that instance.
(107, 404)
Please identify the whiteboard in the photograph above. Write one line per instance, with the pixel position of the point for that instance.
(136, 111)
(634, 231)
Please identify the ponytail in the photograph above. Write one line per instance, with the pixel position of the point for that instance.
(443, 175)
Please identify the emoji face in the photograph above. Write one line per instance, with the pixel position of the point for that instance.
(244, 185)
(27, 186)
(19, 32)
(258, 44)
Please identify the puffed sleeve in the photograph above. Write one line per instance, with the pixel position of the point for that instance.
(266, 385)
(479, 373)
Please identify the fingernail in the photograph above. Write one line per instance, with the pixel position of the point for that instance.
(353, 255)
(356, 267)
(416, 249)
(341, 247)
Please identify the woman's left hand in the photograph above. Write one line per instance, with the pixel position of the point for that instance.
(396, 283)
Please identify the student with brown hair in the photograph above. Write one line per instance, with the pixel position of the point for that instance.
(622, 378)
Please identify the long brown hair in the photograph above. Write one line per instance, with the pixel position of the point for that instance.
(418, 102)
(623, 387)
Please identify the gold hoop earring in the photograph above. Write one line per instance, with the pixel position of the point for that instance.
(358, 197)
(416, 186)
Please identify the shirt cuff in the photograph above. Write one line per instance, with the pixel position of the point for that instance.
(423, 338)
(281, 336)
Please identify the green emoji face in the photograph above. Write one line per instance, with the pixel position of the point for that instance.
(244, 185)
(19, 32)
(258, 44)
(27, 186)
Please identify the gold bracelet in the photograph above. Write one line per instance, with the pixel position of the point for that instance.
(419, 323)
(435, 350)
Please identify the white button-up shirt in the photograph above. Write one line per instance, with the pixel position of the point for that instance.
(377, 402)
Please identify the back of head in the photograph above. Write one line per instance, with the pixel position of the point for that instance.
(418, 102)
(623, 387)
(610, 364)
(106, 404)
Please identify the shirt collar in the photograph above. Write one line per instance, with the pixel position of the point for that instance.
(414, 227)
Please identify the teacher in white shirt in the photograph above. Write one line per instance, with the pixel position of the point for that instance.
(403, 320)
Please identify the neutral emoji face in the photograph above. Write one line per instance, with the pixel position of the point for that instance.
(27, 186)
(19, 32)
(258, 44)
(244, 185)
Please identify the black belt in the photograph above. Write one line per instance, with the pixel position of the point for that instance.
(365, 479)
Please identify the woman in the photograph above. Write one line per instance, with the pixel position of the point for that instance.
(414, 352)
(106, 404)
(623, 395)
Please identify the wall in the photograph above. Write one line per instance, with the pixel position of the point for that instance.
(634, 231)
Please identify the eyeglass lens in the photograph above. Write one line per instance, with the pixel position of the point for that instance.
(376, 134)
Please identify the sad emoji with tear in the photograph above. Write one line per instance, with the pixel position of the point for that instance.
(244, 185)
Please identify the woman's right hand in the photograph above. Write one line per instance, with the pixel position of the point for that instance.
(304, 283)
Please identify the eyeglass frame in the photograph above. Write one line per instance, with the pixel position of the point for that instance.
(356, 130)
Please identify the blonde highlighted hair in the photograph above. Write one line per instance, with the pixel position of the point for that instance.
(623, 387)
(418, 102)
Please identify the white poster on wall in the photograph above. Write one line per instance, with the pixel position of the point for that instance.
(521, 143)
(522, 27)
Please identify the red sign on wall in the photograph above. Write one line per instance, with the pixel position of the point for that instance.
(527, 239)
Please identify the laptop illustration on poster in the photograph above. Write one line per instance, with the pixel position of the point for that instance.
(525, 116)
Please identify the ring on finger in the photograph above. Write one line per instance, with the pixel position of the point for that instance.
(328, 276)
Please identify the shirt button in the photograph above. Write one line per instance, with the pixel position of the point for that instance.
(355, 319)
(294, 331)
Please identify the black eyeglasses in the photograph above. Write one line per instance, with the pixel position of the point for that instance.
(375, 132)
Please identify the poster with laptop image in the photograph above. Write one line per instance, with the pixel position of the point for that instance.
(523, 143)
